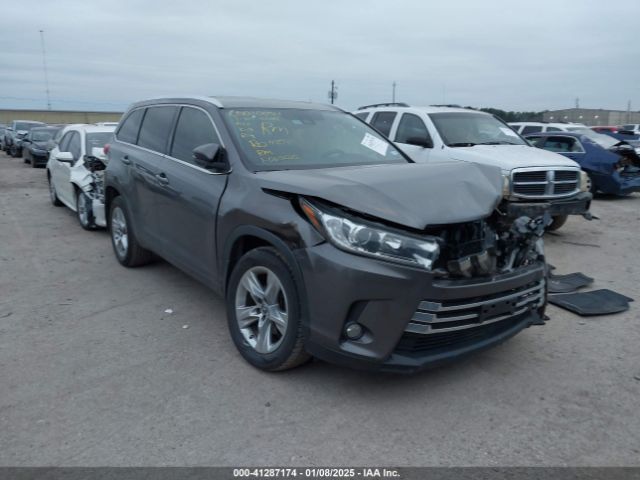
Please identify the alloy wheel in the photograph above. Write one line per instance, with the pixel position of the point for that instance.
(119, 232)
(261, 309)
(83, 207)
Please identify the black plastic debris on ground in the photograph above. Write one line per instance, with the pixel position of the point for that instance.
(567, 283)
(596, 302)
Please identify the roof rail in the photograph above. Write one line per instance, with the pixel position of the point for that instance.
(393, 104)
(449, 105)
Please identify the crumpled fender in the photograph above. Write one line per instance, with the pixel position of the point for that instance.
(604, 162)
(80, 176)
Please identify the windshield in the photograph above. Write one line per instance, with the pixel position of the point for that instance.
(26, 125)
(97, 140)
(283, 139)
(601, 139)
(43, 135)
(461, 129)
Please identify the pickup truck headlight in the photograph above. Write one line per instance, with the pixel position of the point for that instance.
(584, 181)
(506, 186)
(359, 237)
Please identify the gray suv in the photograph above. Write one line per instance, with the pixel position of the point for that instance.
(324, 238)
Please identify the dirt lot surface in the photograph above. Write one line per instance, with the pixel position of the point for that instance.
(94, 372)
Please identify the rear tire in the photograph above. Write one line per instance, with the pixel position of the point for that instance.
(125, 245)
(264, 311)
(558, 221)
(14, 151)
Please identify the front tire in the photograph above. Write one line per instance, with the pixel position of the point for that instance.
(14, 151)
(558, 221)
(125, 244)
(264, 312)
(84, 211)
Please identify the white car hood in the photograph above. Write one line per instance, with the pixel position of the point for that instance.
(508, 157)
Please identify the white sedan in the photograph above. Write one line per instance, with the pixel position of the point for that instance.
(71, 182)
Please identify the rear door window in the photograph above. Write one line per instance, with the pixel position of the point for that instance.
(156, 128)
(563, 145)
(382, 121)
(128, 131)
(194, 128)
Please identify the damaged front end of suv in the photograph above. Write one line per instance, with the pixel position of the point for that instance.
(435, 290)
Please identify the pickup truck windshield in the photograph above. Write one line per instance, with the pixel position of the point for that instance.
(293, 139)
(462, 129)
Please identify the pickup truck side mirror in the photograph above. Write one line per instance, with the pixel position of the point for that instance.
(420, 142)
(211, 156)
(64, 157)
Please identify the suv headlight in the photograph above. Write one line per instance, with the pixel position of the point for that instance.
(357, 236)
(585, 181)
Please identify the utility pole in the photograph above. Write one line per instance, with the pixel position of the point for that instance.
(44, 64)
(333, 93)
(393, 94)
(628, 111)
(577, 102)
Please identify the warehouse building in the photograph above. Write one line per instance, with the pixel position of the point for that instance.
(592, 116)
(58, 116)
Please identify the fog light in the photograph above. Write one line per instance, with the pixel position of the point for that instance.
(353, 331)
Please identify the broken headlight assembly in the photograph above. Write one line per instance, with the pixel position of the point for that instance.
(362, 238)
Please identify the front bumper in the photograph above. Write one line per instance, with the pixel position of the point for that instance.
(411, 319)
(39, 158)
(577, 205)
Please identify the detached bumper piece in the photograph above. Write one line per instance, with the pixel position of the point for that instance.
(596, 302)
(568, 283)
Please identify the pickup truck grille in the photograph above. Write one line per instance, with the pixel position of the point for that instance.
(550, 183)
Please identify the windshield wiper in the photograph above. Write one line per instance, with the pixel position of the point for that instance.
(462, 144)
(501, 142)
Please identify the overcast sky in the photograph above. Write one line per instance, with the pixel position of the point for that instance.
(505, 54)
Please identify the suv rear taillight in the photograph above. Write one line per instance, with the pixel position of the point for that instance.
(106, 149)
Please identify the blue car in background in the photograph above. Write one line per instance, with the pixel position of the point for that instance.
(613, 166)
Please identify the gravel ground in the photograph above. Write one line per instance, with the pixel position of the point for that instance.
(94, 372)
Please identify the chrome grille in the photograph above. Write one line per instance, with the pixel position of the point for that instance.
(436, 317)
(532, 183)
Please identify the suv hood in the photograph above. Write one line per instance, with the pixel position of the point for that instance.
(413, 195)
(508, 157)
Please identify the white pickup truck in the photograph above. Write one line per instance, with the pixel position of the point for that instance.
(533, 177)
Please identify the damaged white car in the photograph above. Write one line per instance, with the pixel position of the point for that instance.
(75, 172)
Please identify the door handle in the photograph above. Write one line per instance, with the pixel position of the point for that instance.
(126, 160)
(162, 179)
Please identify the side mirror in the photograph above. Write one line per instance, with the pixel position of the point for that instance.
(211, 157)
(64, 157)
(420, 142)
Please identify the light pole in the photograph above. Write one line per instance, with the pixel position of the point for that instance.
(393, 94)
(333, 93)
(44, 64)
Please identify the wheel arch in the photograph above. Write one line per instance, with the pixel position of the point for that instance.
(248, 237)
